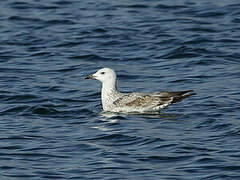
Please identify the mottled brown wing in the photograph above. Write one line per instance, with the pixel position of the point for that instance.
(141, 100)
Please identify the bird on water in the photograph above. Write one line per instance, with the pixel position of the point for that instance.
(115, 101)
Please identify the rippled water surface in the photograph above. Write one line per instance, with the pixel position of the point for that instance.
(51, 123)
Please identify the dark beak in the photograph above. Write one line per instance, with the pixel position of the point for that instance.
(89, 76)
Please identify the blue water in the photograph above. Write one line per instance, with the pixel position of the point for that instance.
(51, 123)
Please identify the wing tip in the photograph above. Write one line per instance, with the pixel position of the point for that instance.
(189, 93)
(183, 95)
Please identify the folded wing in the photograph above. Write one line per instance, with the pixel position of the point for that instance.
(151, 101)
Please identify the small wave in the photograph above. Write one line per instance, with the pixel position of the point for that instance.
(31, 5)
(14, 110)
(116, 137)
(168, 159)
(201, 30)
(23, 98)
(60, 22)
(31, 110)
(180, 52)
(116, 140)
(41, 110)
(21, 18)
(42, 54)
(209, 160)
(33, 155)
(138, 6)
(174, 7)
(91, 57)
(199, 41)
(99, 30)
(210, 14)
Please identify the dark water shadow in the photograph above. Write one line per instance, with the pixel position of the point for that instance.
(147, 115)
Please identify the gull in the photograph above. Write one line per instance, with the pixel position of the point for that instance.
(115, 101)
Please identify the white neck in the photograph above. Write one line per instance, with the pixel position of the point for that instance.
(108, 94)
(109, 87)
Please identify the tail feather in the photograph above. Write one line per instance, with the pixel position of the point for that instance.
(176, 96)
(180, 95)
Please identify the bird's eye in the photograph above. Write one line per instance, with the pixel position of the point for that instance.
(102, 72)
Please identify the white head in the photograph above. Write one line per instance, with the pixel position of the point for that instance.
(105, 75)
